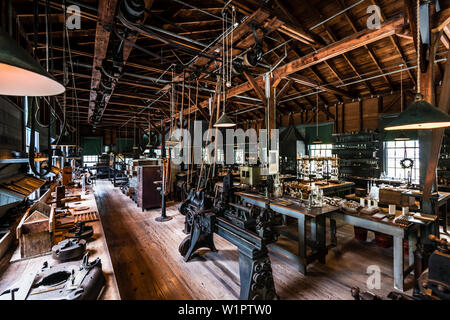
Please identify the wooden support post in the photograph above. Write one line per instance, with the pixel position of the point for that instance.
(361, 116)
(437, 135)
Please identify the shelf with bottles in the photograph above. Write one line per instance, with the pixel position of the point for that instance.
(319, 167)
(367, 137)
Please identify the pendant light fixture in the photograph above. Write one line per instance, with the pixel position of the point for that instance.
(420, 114)
(21, 75)
(65, 141)
(401, 136)
(224, 121)
(317, 139)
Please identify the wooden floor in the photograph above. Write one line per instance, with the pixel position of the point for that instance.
(147, 264)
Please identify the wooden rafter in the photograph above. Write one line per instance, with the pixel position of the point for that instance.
(106, 12)
(347, 44)
(350, 19)
(395, 42)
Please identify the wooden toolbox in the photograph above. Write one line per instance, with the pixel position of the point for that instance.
(35, 230)
(389, 196)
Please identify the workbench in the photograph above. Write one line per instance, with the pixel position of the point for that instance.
(332, 189)
(317, 242)
(317, 216)
(397, 231)
(440, 204)
(18, 268)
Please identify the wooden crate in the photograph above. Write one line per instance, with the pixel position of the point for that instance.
(388, 196)
(35, 230)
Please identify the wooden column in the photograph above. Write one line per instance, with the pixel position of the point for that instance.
(361, 126)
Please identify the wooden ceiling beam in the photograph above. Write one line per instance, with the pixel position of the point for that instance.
(395, 42)
(255, 87)
(349, 18)
(344, 55)
(315, 72)
(106, 13)
(338, 48)
(244, 28)
(309, 83)
(347, 44)
(127, 48)
(287, 86)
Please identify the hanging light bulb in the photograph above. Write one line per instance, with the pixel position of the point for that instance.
(420, 114)
(21, 75)
(317, 139)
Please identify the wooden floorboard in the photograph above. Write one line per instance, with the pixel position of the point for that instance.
(145, 258)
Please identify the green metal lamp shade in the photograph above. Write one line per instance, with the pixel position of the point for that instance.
(65, 141)
(21, 75)
(420, 115)
(401, 137)
(172, 141)
(224, 122)
(317, 140)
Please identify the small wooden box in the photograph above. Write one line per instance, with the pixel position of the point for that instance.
(35, 230)
(388, 196)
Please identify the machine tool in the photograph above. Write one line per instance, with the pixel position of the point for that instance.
(248, 228)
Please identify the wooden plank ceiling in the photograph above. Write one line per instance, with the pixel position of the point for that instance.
(322, 53)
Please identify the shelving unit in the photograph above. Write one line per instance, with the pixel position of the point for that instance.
(358, 153)
(443, 168)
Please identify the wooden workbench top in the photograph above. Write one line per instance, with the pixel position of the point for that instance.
(288, 203)
(96, 245)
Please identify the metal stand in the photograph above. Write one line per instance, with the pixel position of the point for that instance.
(163, 217)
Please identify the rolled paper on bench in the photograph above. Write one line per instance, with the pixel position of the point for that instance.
(405, 210)
(392, 208)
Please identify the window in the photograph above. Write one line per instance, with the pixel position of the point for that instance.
(90, 161)
(320, 150)
(239, 156)
(395, 151)
(28, 137)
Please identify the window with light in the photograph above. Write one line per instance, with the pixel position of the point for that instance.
(395, 152)
(320, 150)
(90, 161)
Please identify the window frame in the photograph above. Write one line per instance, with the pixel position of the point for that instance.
(394, 152)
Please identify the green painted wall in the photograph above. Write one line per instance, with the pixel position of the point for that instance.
(125, 145)
(92, 145)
